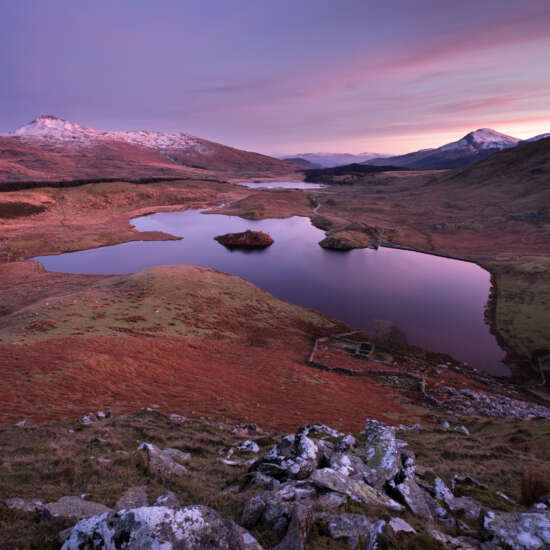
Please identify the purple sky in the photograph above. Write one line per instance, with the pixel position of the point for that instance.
(281, 76)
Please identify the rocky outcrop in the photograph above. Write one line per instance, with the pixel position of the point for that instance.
(189, 528)
(347, 240)
(247, 239)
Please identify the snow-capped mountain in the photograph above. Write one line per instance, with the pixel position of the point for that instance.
(329, 160)
(53, 149)
(482, 139)
(56, 130)
(474, 146)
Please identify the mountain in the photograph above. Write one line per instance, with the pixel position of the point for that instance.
(329, 160)
(302, 163)
(50, 148)
(472, 147)
(540, 136)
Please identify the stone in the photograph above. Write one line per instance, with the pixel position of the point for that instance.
(518, 531)
(462, 429)
(444, 426)
(162, 463)
(168, 499)
(177, 455)
(90, 418)
(249, 446)
(356, 489)
(22, 423)
(376, 537)
(398, 524)
(382, 453)
(454, 543)
(329, 501)
(75, 507)
(349, 527)
(257, 479)
(298, 528)
(178, 418)
(134, 497)
(25, 505)
(466, 480)
(160, 527)
(469, 506)
(253, 511)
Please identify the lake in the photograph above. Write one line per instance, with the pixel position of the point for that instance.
(280, 185)
(438, 303)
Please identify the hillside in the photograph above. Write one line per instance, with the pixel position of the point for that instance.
(52, 149)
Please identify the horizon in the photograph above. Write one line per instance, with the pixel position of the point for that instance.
(346, 78)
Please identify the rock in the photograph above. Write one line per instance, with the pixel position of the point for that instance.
(22, 423)
(398, 524)
(466, 480)
(25, 505)
(257, 479)
(177, 455)
(356, 489)
(462, 429)
(75, 507)
(178, 418)
(444, 426)
(471, 507)
(294, 457)
(90, 418)
(350, 527)
(249, 446)
(168, 499)
(253, 511)
(298, 529)
(162, 463)
(347, 240)
(454, 543)
(134, 497)
(375, 538)
(247, 239)
(382, 453)
(189, 528)
(330, 501)
(518, 531)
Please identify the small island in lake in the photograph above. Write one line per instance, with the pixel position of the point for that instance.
(246, 239)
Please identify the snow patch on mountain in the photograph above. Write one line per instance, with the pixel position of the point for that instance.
(482, 139)
(56, 130)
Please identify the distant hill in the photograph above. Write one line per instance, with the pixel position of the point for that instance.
(302, 163)
(472, 147)
(329, 160)
(53, 149)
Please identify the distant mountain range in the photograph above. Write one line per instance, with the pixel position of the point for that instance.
(329, 160)
(50, 148)
(474, 146)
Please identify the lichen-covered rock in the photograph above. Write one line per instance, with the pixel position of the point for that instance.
(75, 507)
(528, 531)
(356, 489)
(382, 453)
(160, 528)
(165, 462)
(469, 506)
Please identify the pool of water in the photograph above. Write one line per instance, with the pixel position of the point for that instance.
(437, 302)
(280, 185)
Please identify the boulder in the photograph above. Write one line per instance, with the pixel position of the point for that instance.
(328, 479)
(249, 446)
(164, 463)
(246, 239)
(75, 507)
(90, 418)
(398, 524)
(469, 506)
(348, 527)
(189, 528)
(518, 531)
(134, 497)
(382, 453)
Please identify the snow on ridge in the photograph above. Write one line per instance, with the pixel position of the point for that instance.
(484, 138)
(56, 130)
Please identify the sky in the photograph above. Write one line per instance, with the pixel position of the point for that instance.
(281, 76)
